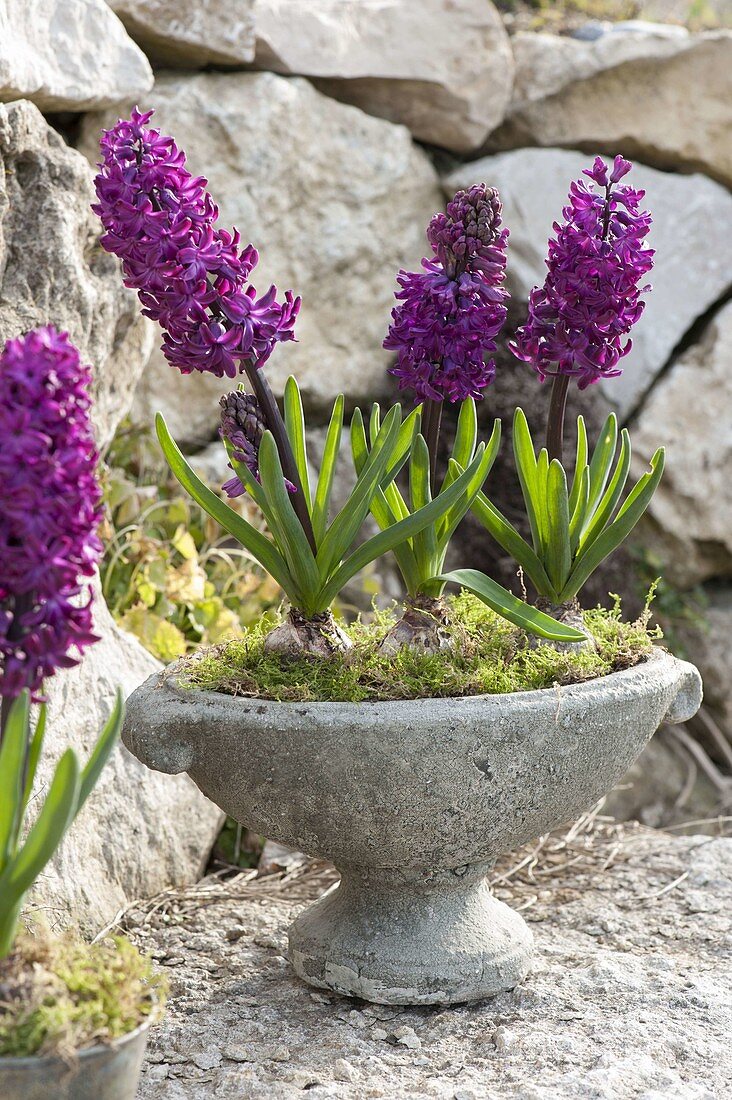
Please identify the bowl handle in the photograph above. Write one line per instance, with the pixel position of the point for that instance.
(688, 697)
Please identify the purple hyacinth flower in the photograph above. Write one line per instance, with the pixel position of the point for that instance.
(242, 425)
(50, 509)
(591, 298)
(191, 276)
(451, 312)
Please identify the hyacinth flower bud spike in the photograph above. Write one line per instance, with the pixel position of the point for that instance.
(451, 312)
(242, 427)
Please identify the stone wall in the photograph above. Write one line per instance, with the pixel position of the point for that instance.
(330, 131)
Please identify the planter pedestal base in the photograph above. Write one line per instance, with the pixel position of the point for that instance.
(412, 938)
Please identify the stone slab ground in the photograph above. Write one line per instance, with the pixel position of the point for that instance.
(630, 996)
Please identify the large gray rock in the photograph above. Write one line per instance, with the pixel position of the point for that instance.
(442, 67)
(627, 91)
(692, 236)
(188, 34)
(68, 55)
(630, 998)
(51, 268)
(690, 516)
(139, 832)
(335, 200)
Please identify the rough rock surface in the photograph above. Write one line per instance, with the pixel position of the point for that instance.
(381, 56)
(688, 278)
(68, 55)
(709, 641)
(627, 91)
(140, 831)
(191, 33)
(629, 997)
(52, 269)
(689, 410)
(336, 202)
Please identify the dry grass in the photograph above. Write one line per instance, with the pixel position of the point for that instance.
(546, 870)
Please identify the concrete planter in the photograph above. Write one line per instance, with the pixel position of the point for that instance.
(104, 1072)
(412, 801)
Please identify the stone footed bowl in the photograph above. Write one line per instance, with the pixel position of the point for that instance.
(412, 801)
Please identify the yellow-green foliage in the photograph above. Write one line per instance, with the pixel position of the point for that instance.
(61, 995)
(490, 656)
(169, 574)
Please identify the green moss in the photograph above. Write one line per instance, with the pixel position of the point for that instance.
(490, 656)
(61, 995)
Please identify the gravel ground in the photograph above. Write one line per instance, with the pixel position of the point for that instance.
(630, 996)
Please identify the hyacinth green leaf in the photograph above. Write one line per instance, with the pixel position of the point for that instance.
(345, 526)
(580, 465)
(397, 533)
(34, 754)
(388, 507)
(359, 443)
(635, 505)
(47, 833)
(601, 463)
(12, 756)
(419, 474)
(295, 427)
(252, 540)
(425, 541)
(541, 498)
(466, 434)
(102, 750)
(508, 537)
(402, 448)
(527, 469)
(578, 510)
(328, 465)
(612, 495)
(450, 521)
(288, 532)
(558, 556)
(511, 607)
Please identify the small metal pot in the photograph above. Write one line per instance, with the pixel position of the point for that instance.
(103, 1072)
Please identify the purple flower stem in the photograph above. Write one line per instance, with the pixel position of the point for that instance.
(275, 423)
(431, 420)
(555, 420)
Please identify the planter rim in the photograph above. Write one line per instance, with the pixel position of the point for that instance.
(168, 679)
(36, 1060)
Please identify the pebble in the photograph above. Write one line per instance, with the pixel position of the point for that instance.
(343, 1070)
(207, 1059)
(407, 1037)
(504, 1039)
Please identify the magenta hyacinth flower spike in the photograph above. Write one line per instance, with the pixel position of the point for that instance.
(49, 507)
(191, 277)
(579, 319)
